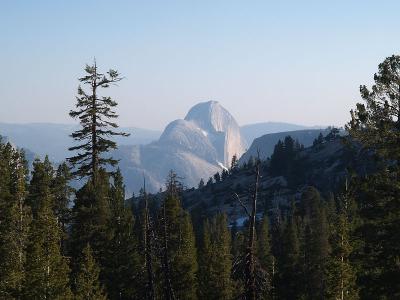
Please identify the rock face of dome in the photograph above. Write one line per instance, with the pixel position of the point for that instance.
(220, 127)
(196, 147)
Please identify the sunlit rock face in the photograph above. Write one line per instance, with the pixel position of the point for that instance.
(196, 147)
(220, 127)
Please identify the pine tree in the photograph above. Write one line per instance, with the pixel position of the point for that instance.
(277, 159)
(14, 221)
(290, 283)
(225, 174)
(201, 183)
(264, 254)
(62, 197)
(217, 177)
(87, 285)
(94, 222)
(376, 125)
(148, 238)
(377, 235)
(41, 178)
(94, 113)
(263, 245)
(215, 261)
(319, 140)
(178, 251)
(122, 260)
(47, 271)
(234, 164)
(91, 219)
(341, 276)
(317, 245)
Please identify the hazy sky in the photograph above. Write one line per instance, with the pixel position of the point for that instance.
(297, 61)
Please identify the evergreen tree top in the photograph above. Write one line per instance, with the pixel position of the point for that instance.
(94, 114)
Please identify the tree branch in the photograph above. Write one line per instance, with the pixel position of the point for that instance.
(241, 203)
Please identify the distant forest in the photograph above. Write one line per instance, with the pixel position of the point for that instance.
(91, 243)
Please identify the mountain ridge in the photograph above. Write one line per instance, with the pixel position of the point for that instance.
(55, 137)
(255, 130)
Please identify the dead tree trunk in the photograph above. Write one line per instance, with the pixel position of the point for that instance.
(249, 259)
(250, 255)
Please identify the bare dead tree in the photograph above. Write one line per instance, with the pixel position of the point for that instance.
(251, 275)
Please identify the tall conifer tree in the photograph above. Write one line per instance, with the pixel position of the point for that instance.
(178, 251)
(92, 216)
(215, 260)
(95, 113)
(122, 264)
(87, 285)
(62, 198)
(376, 125)
(148, 243)
(317, 245)
(290, 282)
(341, 276)
(14, 221)
(41, 179)
(47, 271)
(264, 253)
(265, 257)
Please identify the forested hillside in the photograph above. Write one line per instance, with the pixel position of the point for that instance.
(318, 222)
(284, 176)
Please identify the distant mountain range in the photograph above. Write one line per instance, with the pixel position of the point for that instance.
(195, 147)
(54, 140)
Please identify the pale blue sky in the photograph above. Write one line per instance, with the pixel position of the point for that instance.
(293, 61)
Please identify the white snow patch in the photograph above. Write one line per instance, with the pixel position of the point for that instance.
(222, 165)
(205, 133)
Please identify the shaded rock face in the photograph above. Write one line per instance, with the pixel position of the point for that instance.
(265, 144)
(196, 147)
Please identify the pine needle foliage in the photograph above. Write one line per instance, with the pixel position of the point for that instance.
(87, 283)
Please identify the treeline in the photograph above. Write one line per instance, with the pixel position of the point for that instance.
(100, 248)
(104, 248)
